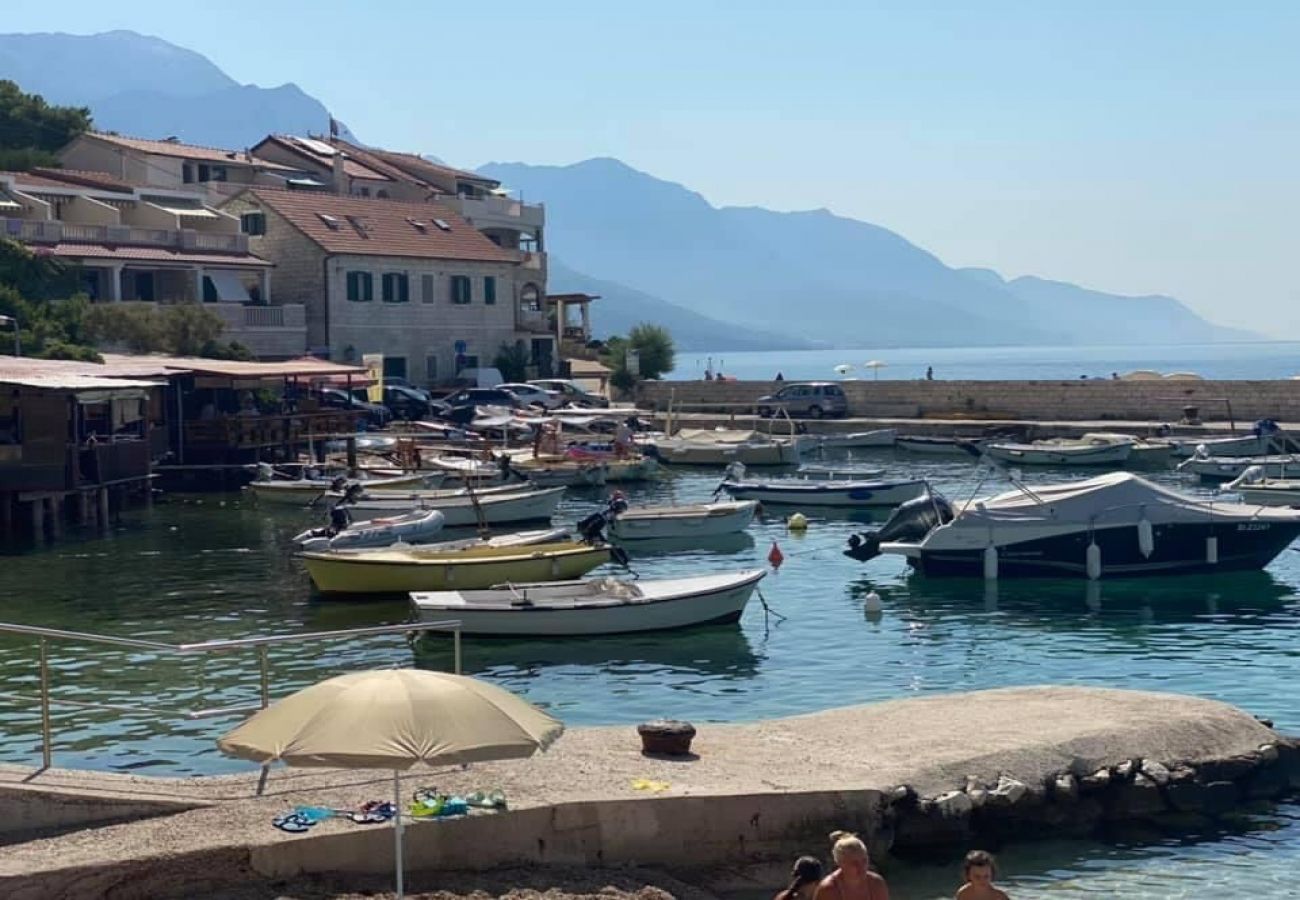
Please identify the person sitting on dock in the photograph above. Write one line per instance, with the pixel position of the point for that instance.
(804, 877)
(978, 871)
(852, 878)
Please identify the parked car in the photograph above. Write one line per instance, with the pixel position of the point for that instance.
(403, 402)
(484, 377)
(532, 395)
(399, 381)
(571, 392)
(814, 399)
(484, 397)
(376, 416)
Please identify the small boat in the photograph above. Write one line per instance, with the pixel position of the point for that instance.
(1227, 445)
(1226, 468)
(718, 447)
(1117, 524)
(546, 471)
(837, 473)
(301, 491)
(810, 492)
(419, 526)
(469, 510)
(1255, 487)
(1142, 451)
(638, 468)
(1062, 452)
(403, 569)
(595, 606)
(937, 446)
(880, 437)
(673, 522)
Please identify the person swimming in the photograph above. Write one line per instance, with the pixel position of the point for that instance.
(978, 870)
(852, 878)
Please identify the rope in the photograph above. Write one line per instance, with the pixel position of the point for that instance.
(768, 611)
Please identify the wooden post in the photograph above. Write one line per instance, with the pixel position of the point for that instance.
(103, 508)
(55, 515)
(83, 508)
(38, 519)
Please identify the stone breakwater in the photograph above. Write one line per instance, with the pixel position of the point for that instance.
(911, 776)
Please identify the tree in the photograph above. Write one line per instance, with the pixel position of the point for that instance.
(31, 130)
(512, 362)
(654, 346)
(180, 329)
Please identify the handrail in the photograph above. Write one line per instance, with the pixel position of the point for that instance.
(261, 642)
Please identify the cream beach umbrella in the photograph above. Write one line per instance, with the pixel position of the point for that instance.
(393, 719)
(876, 365)
(843, 369)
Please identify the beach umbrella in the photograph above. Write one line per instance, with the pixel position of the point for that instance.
(843, 369)
(876, 365)
(393, 719)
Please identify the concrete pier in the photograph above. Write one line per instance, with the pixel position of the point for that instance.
(909, 775)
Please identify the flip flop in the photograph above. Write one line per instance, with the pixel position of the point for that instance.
(454, 806)
(373, 813)
(314, 814)
(292, 823)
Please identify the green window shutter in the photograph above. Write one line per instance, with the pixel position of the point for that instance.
(404, 282)
(367, 286)
(489, 290)
(354, 286)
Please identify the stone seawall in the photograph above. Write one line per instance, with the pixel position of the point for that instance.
(1154, 401)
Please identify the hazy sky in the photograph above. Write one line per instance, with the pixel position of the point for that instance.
(1130, 147)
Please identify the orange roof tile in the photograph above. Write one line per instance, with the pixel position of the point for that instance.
(385, 227)
(119, 253)
(351, 167)
(185, 151)
(419, 167)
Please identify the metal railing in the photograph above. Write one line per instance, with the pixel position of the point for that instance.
(262, 643)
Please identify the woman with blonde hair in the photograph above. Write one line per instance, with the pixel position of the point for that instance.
(852, 878)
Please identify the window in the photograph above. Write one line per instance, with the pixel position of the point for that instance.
(330, 222)
(431, 368)
(460, 289)
(361, 287)
(363, 191)
(396, 287)
(218, 173)
(490, 289)
(253, 223)
(426, 288)
(442, 223)
(394, 366)
(187, 173)
(204, 172)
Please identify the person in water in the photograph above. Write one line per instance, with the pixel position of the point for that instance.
(978, 871)
(805, 875)
(852, 878)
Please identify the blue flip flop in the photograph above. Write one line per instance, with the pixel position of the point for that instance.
(292, 823)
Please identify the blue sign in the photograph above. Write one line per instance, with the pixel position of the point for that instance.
(461, 346)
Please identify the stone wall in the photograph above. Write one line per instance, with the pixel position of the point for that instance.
(1156, 401)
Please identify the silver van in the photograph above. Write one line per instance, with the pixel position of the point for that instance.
(813, 399)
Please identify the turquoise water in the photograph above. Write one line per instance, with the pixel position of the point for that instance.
(1272, 359)
(200, 568)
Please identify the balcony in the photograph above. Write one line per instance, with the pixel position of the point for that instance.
(52, 232)
(270, 332)
(497, 211)
(535, 321)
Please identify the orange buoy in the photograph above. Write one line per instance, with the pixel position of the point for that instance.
(775, 556)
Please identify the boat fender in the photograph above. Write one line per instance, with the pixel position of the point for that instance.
(872, 602)
(797, 522)
(1212, 550)
(1092, 561)
(990, 562)
(1146, 537)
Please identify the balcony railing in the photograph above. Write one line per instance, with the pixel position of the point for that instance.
(238, 316)
(483, 210)
(535, 321)
(36, 231)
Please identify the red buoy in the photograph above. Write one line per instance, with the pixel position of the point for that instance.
(775, 556)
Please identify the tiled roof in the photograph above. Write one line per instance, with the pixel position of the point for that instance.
(419, 167)
(115, 252)
(382, 227)
(185, 151)
(122, 365)
(351, 167)
(102, 181)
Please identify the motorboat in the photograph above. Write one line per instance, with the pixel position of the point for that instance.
(1146, 452)
(934, 446)
(1226, 468)
(635, 468)
(1062, 452)
(550, 471)
(720, 446)
(471, 507)
(838, 473)
(1254, 486)
(819, 492)
(302, 491)
(419, 526)
(404, 569)
(591, 607)
(1118, 524)
(1265, 437)
(697, 520)
(879, 437)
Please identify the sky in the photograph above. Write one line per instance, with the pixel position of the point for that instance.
(1129, 147)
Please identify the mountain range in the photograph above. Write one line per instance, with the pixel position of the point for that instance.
(718, 278)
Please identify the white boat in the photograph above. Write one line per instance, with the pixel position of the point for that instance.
(936, 446)
(1117, 524)
(419, 526)
(718, 447)
(815, 492)
(594, 606)
(1255, 487)
(1226, 468)
(880, 437)
(514, 539)
(674, 522)
(1142, 451)
(481, 508)
(1227, 445)
(838, 473)
(559, 471)
(639, 468)
(301, 491)
(1061, 452)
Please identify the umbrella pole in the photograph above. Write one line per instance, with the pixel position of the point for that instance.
(397, 828)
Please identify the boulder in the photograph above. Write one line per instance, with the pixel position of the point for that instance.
(1155, 771)
(1065, 788)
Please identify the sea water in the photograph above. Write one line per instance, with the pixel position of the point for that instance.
(197, 568)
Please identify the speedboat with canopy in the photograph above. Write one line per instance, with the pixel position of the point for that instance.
(1117, 524)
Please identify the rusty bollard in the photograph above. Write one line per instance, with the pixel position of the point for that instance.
(666, 736)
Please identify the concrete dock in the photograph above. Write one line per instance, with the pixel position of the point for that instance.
(907, 774)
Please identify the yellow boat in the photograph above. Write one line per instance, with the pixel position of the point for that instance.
(395, 570)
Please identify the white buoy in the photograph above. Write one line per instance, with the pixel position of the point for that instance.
(797, 522)
(1212, 550)
(872, 602)
(990, 562)
(1146, 537)
(1092, 561)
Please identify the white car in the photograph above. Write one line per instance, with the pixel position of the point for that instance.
(532, 395)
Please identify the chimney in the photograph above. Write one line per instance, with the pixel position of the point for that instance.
(340, 180)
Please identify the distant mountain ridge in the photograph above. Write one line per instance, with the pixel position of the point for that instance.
(816, 275)
(165, 90)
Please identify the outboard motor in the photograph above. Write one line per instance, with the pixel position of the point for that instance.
(912, 521)
(592, 527)
(340, 518)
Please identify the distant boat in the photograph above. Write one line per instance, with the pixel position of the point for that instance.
(700, 520)
(1061, 452)
(718, 447)
(817, 492)
(936, 446)
(880, 437)
(466, 510)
